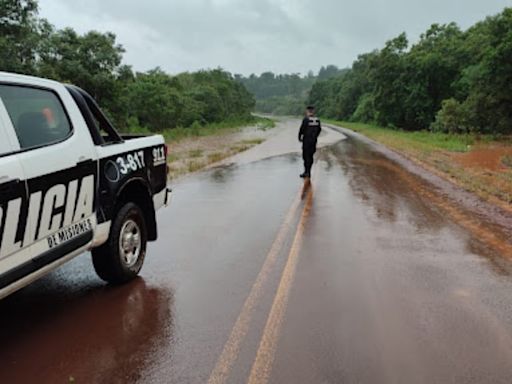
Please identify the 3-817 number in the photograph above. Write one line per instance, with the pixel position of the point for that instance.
(131, 162)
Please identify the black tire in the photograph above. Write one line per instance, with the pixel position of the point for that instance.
(119, 260)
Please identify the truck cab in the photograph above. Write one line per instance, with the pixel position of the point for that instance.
(69, 183)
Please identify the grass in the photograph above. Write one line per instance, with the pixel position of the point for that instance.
(440, 152)
(234, 125)
(196, 160)
(420, 140)
(216, 157)
(202, 147)
(253, 141)
(240, 147)
(507, 161)
(265, 124)
(195, 153)
(177, 134)
(197, 130)
(194, 166)
(172, 157)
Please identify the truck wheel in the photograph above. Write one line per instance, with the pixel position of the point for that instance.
(120, 259)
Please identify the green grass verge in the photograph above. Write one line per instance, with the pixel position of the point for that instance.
(436, 150)
(264, 123)
(424, 141)
(197, 130)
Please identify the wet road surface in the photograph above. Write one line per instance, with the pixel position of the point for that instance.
(356, 278)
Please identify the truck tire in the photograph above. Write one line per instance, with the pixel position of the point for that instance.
(120, 259)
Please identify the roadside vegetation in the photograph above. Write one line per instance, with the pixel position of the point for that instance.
(198, 130)
(479, 163)
(195, 148)
(450, 81)
(229, 126)
(423, 141)
(198, 146)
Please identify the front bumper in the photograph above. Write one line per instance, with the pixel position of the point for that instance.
(162, 198)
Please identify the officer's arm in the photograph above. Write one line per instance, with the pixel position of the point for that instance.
(301, 131)
(319, 128)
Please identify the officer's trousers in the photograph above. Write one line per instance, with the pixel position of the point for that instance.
(308, 153)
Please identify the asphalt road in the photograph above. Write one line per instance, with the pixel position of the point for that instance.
(359, 277)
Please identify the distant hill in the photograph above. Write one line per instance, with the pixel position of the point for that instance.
(285, 94)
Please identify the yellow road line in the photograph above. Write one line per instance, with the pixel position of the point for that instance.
(261, 369)
(231, 349)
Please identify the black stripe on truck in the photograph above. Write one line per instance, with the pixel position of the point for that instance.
(45, 259)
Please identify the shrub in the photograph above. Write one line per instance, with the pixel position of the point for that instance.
(452, 118)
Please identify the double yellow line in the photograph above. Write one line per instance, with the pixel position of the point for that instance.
(262, 366)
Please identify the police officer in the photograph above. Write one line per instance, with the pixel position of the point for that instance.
(308, 135)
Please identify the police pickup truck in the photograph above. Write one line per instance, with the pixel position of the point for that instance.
(70, 183)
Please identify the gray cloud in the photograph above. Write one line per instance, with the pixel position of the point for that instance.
(246, 36)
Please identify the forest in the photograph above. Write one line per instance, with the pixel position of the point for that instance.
(285, 94)
(451, 80)
(152, 100)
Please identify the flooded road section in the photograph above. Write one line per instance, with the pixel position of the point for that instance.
(360, 277)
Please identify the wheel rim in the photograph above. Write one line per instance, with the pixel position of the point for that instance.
(130, 243)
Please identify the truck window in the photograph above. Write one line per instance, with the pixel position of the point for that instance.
(37, 115)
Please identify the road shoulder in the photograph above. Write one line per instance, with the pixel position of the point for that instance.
(483, 211)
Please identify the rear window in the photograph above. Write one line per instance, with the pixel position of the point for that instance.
(37, 115)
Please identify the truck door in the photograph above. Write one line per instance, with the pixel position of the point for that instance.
(13, 213)
(59, 164)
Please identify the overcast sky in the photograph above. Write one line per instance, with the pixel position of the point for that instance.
(246, 36)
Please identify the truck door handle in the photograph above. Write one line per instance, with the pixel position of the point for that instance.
(8, 185)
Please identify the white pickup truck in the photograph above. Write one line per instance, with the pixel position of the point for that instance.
(70, 183)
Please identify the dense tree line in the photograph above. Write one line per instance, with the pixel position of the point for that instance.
(154, 100)
(284, 94)
(450, 80)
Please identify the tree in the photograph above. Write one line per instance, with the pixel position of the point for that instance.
(89, 61)
(19, 35)
(328, 72)
(154, 102)
(490, 88)
(388, 77)
(450, 80)
(283, 94)
(433, 67)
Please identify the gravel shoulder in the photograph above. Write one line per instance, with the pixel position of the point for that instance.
(196, 153)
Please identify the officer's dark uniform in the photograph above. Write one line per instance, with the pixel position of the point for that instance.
(308, 134)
